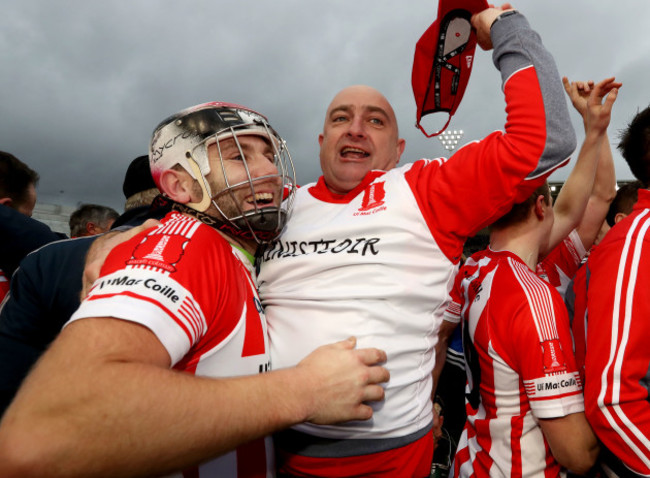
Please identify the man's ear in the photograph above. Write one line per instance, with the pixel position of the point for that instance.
(6, 202)
(619, 217)
(178, 186)
(91, 229)
(320, 139)
(401, 144)
(540, 207)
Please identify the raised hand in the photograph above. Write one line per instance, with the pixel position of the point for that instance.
(578, 92)
(587, 97)
(483, 21)
(599, 104)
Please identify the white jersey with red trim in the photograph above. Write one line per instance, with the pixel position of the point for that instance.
(617, 362)
(520, 366)
(378, 262)
(192, 289)
(560, 266)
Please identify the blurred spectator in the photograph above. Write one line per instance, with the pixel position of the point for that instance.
(17, 184)
(594, 102)
(139, 191)
(626, 198)
(18, 192)
(91, 219)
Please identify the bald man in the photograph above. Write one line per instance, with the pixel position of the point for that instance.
(371, 249)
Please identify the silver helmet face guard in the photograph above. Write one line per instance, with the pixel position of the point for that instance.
(264, 222)
(183, 139)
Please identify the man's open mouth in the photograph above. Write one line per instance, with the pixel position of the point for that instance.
(354, 153)
(261, 199)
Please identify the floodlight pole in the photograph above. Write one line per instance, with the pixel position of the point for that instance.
(450, 138)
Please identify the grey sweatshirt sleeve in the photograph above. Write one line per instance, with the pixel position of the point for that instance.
(517, 46)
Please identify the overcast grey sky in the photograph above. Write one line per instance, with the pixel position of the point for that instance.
(84, 82)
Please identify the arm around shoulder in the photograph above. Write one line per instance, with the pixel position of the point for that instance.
(105, 378)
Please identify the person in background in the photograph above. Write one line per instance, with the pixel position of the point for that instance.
(581, 207)
(18, 192)
(140, 190)
(525, 409)
(19, 233)
(626, 197)
(586, 197)
(91, 219)
(617, 359)
(17, 184)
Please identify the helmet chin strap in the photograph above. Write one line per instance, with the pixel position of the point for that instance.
(205, 202)
(235, 230)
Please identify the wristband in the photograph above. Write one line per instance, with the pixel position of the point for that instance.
(503, 15)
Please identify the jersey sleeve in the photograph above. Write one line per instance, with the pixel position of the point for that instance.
(452, 312)
(483, 179)
(170, 282)
(617, 363)
(537, 341)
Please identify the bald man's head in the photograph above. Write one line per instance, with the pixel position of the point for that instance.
(360, 134)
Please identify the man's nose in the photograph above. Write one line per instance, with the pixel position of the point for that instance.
(357, 128)
(260, 165)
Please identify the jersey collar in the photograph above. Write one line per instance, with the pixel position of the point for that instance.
(321, 192)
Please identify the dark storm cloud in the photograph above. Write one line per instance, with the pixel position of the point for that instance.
(84, 83)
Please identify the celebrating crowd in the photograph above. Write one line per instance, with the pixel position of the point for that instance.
(253, 328)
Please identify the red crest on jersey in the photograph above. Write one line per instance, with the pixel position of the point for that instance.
(553, 356)
(373, 196)
(163, 251)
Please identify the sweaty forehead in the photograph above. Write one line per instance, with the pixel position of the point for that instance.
(353, 108)
(361, 98)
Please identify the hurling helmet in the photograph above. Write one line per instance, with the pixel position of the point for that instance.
(184, 138)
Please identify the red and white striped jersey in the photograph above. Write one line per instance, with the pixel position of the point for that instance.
(520, 367)
(558, 268)
(617, 362)
(191, 288)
